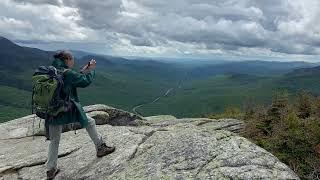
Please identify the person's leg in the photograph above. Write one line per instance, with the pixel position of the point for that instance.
(101, 147)
(55, 134)
(92, 131)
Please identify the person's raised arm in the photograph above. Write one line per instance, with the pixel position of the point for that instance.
(86, 76)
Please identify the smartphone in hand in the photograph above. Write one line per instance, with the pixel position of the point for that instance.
(84, 68)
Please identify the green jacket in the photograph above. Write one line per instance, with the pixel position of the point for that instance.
(72, 80)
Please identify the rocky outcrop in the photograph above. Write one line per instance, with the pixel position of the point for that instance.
(32, 125)
(116, 117)
(158, 147)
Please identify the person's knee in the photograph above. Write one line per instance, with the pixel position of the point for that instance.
(91, 121)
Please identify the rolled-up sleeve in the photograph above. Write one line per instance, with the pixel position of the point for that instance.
(82, 79)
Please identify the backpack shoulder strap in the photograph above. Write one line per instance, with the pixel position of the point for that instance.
(65, 71)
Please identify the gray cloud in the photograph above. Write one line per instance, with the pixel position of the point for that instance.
(171, 26)
(37, 2)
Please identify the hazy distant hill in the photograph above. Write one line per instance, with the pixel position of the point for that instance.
(313, 71)
(121, 82)
(260, 68)
(191, 88)
(17, 62)
(18, 58)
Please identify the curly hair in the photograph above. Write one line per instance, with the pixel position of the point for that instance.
(63, 55)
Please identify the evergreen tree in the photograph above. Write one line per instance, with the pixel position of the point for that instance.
(304, 104)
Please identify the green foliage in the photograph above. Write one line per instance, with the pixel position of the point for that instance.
(197, 97)
(304, 105)
(291, 131)
(229, 112)
(212, 95)
(276, 112)
(290, 143)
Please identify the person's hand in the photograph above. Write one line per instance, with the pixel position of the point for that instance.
(90, 66)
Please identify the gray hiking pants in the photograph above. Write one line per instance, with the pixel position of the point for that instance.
(55, 134)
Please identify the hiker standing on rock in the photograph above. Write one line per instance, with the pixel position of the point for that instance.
(71, 81)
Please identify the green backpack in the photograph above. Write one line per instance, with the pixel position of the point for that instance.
(48, 99)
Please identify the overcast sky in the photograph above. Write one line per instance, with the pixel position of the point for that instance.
(285, 29)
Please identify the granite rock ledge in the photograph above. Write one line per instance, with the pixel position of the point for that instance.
(157, 147)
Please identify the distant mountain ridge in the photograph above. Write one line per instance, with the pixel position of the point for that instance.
(260, 68)
(15, 56)
(18, 57)
(195, 88)
(305, 71)
(120, 82)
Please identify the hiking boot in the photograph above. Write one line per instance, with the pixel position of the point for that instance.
(104, 150)
(51, 174)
